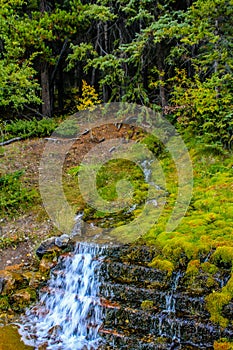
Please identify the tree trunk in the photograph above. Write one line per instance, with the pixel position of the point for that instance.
(60, 88)
(45, 90)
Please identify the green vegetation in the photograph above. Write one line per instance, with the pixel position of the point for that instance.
(4, 303)
(68, 128)
(147, 304)
(28, 128)
(173, 57)
(14, 196)
(207, 227)
(109, 176)
(10, 339)
(164, 265)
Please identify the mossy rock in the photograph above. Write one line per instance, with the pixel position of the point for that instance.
(11, 280)
(164, 265)
(4, 303)
(11, 340)
(223, 344)
(147, 304)
(23, 298)
(216, 301)
(223, 257)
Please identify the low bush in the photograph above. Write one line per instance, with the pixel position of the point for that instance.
(13, 195)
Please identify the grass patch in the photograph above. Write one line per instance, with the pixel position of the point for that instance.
(14, 197)
(118, 179)
(28, 128)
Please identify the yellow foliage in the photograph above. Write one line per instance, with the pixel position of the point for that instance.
(223, 345)
(89, 98)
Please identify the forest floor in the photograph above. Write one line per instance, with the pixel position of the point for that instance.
(27, 230)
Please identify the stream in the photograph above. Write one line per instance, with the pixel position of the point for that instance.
(68, 315)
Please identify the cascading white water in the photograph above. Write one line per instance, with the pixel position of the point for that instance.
(68, 314)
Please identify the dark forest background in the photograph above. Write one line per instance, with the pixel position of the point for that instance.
(172, 56)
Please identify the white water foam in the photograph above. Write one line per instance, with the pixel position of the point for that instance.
(68, 314)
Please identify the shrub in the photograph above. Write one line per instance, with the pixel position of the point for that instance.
(29, 128)
(13, 195)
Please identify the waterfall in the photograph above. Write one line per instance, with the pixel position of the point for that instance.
(167, 318)
(68, 314)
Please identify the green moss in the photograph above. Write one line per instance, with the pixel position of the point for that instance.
(32, 292)
(193, 268)
(4, 303)
(216, 300)
(164, 265)
(147, 304)
(209, 268)
(153, 144)
(10, 339)
(223, 256)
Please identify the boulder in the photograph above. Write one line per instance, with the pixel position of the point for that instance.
(53, 244)
(10, 281)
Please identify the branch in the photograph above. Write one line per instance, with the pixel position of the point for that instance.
(10, 141)
(35, 111)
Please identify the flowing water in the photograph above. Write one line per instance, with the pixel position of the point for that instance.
(68, 314)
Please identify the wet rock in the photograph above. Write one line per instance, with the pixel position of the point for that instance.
(46, 264)
(53, 244)
(47, 246)
(36, 279)
(155, 310)
(10, 281)
(2, 281)
(227, 311)
(21, 296)
(62, 241)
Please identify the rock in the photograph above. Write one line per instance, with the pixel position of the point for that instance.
(147, 309)
(45, 247)
(52, 244)
(62, 241)
(4, 303)
(34, 278)
(21, 296)
(1, 284)
(227, 310)
(10, 281)
(46, 264)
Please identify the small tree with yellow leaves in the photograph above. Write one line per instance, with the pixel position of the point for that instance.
(89, 97)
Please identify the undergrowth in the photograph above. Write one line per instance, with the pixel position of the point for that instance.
(28, 128)
(14, 196)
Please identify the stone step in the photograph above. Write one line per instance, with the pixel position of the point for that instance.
(141, 323)
(130, 296)
(123, 273)
(112, 339)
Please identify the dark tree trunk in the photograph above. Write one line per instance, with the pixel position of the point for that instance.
(45, 90)
(60, 88)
